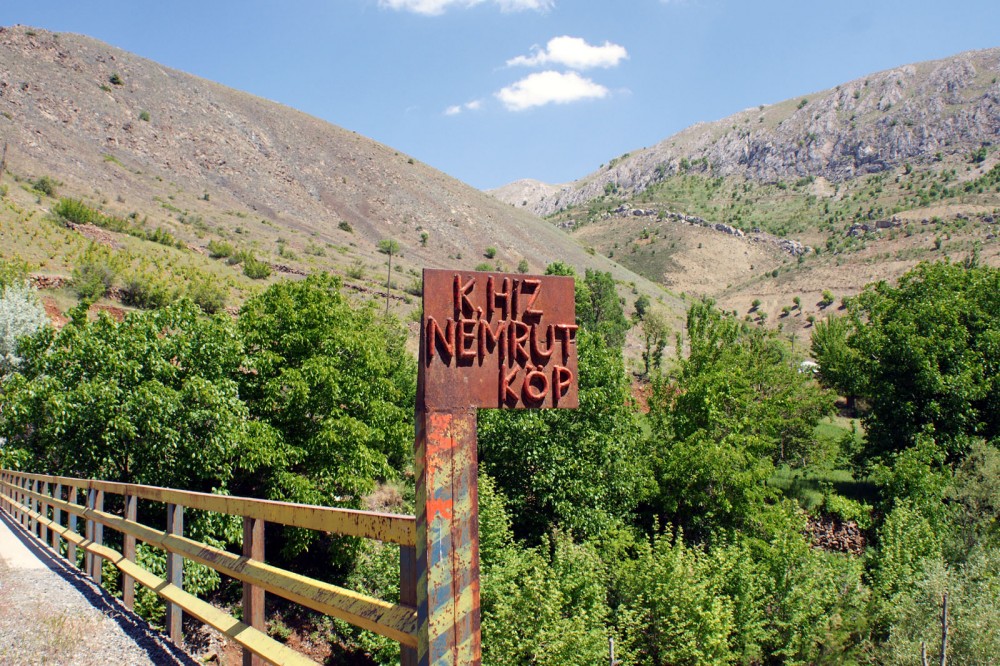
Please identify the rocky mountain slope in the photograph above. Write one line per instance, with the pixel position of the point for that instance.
(142, 142)
(914, 113)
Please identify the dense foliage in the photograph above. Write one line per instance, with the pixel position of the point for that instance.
(667, 530)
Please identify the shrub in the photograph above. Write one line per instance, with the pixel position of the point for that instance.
(255, 269)
(415, 288)
(93, 278)
(522, 266)
(144, 115)
(20, 314)
(345, 226)
(484, 266)
(490, 252)
(116, 80)
(142, 291)
(356, 270)
(45, 185)
(207, 295)
(220, 249)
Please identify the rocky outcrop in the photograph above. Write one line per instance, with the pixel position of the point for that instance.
(879, 122)
(786, 245)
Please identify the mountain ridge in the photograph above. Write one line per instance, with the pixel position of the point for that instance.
(868, 125)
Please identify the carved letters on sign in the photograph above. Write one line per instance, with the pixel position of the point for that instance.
(502, 323)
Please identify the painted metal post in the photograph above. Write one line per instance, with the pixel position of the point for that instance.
(43, 509)
(253, 595)
(128, 550)
(175, 572)
(447, 538)
(97, 536)
(74, 496)
(408, 594)
(32, 524)
(57, 518)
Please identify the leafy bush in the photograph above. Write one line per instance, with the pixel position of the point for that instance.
(546, 605)
(344, 225)
(255, 269)
(144, 115)
(45, 185)
(93, 277)
(20, 314)
(207, 294)
(143, 291)
(490, 252)
(220, 249)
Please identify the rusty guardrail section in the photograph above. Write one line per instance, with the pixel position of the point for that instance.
(50, 508)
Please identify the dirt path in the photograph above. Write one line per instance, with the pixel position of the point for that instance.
(50, 613)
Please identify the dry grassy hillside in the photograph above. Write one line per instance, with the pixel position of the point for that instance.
(163, 150)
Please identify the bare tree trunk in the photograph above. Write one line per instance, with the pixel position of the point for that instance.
(923, 653)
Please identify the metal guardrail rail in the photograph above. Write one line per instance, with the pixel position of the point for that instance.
(49, 507)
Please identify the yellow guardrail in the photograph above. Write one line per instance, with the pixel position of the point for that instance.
(43, 503)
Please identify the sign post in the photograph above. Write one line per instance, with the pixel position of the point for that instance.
(487, 340)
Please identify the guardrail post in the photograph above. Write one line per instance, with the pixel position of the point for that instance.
(128, 550)
(73, 497)
(98, 562)
(175, 572)
(95, 534)
(43, 508)
(32, 523)
(408, 594)
(57, 493)
(253, 596)
(25, 504)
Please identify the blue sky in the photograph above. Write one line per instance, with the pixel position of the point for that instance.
(490, 91)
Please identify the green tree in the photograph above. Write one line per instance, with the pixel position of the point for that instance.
(654, 336)
(929, 353)
(337, 384)
(148, 400)
(583, 469)
(641, 306)
(599, 309)
(675, 611)
(737, 408)
(840, 366)
(545, 606)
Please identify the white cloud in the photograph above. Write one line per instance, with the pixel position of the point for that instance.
(549, 87)
(474, 105)
(438, 7)
(573, 52)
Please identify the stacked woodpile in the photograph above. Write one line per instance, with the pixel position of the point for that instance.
(833, 534)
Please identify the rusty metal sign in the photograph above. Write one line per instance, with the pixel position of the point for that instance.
(498, 340)
(487, 340)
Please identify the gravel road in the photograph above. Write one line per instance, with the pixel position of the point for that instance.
(50, 613)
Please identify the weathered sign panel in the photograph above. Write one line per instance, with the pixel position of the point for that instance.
(498, 340)
(487, 340)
